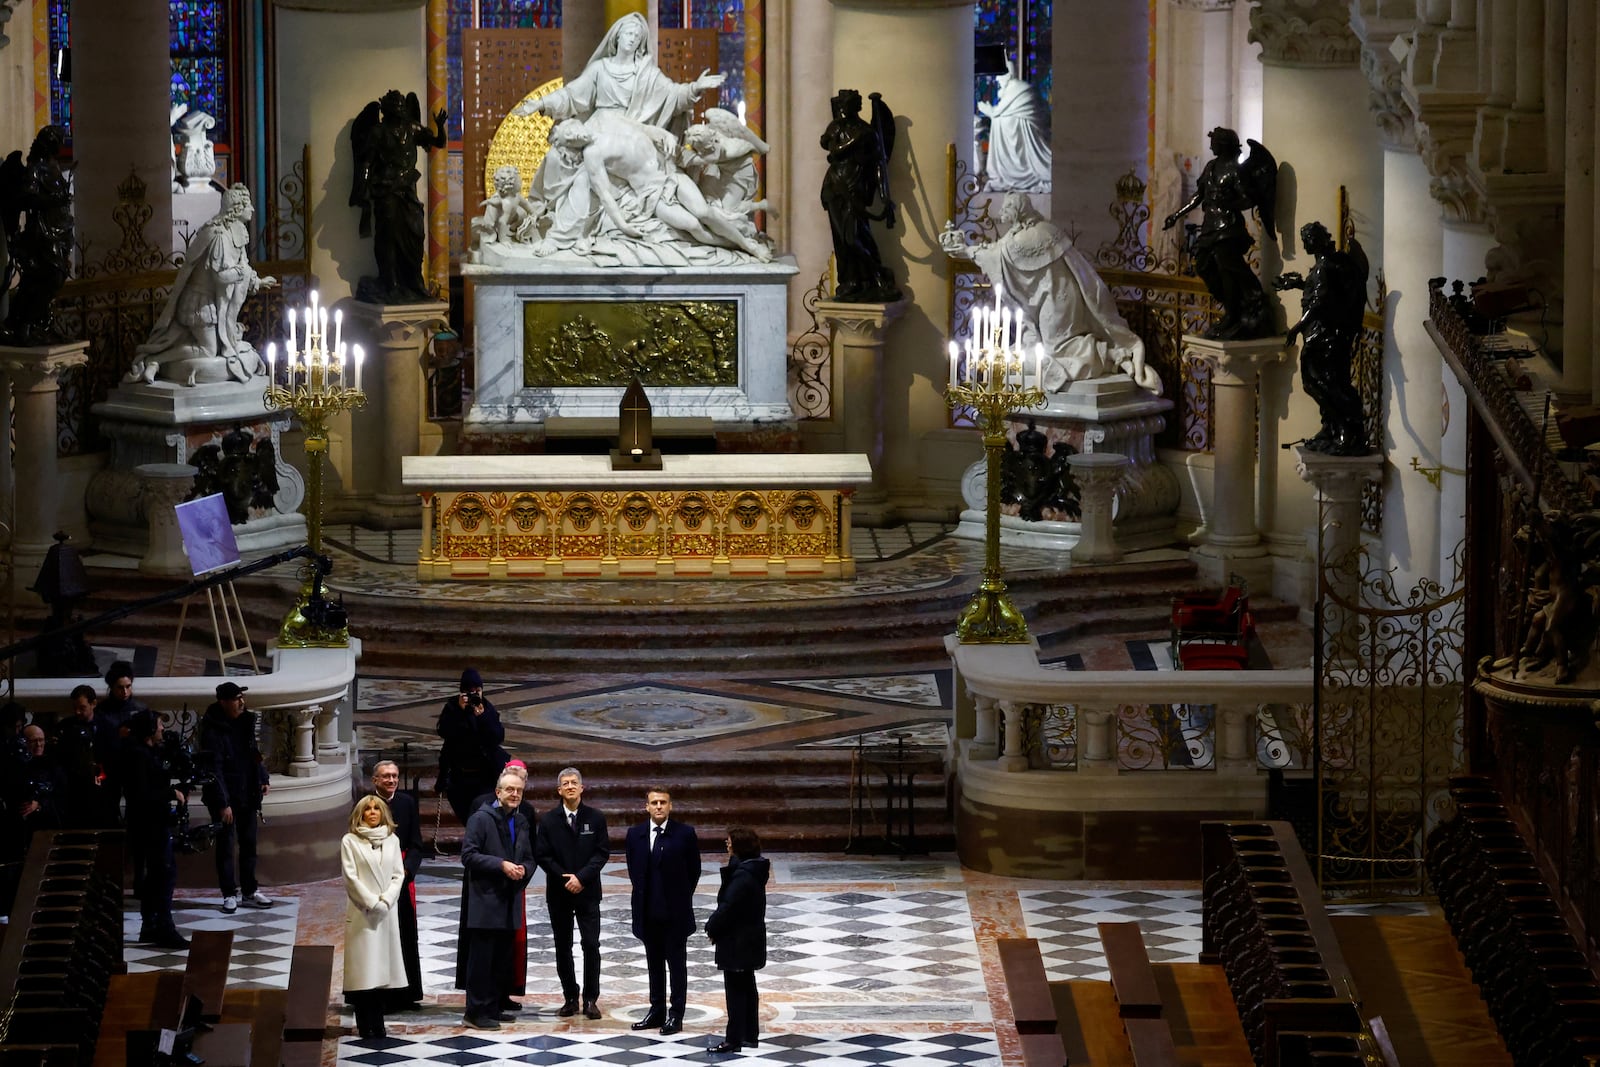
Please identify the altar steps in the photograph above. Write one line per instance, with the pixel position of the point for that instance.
(534, 638)
(796, 801)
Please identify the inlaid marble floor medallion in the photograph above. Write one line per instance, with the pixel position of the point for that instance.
(655, 715)
(922, 690)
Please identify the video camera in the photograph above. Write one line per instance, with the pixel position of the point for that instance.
(186, 773)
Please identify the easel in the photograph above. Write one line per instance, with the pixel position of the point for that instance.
(238, 643)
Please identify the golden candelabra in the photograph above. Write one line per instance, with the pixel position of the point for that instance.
(989, 375)
(316, 387)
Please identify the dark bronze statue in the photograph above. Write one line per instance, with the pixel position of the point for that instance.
(858, 175)
(386, 136)
(1330, 319)
(1226, 190)
(246, 479)
(36, 204)
(1035, 481)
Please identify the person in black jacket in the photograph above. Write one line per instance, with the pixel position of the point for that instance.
(228, 739)
(664, 867)
(471, 757)
(408, 830)
(572, 849)
(738, 929)
(496, 863)
(151, 795)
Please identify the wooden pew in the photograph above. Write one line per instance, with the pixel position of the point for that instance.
(264, 1010)
(1027, 985)
(205, 975)
(306, 1005)
(1132, 978)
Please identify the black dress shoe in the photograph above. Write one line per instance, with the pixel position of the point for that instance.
(473, 1022)
(569, 1008)
(673, 1024)
(510, 1005)
(591, 1010)
(722, 1048)
(649, 1022)
(502, 1017)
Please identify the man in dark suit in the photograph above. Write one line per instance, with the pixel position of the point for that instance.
(497, 858)
(572, 850)
(408, 828)
(664, 867)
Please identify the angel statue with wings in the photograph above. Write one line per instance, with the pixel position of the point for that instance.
(36, 208)
(858, 174)
(386, 136)
(1226, 190)
(1330, 319)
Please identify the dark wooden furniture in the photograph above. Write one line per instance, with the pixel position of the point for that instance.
(1027, 986)
(310, 988)
(1132, 979)
(206, 974)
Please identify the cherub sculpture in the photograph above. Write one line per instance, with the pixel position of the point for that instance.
(1226, 190)
(245, 478)
(1330, 318)
(507, 215)
(386, 136)
(36, 208)
(720, 155)
(858, 175)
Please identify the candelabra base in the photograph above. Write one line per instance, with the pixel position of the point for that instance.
(298, 631)
(990, 618)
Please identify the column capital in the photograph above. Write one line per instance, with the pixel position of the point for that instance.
(860, 324)
(1397, 123)
(1337, 479)
(1304, 33)
(39, 367)
(400, 325)
(1236, 362)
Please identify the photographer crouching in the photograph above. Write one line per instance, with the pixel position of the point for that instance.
(153, 803)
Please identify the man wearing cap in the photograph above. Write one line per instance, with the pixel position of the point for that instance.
(228, 740)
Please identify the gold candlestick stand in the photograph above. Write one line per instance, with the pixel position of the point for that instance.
(315, 391)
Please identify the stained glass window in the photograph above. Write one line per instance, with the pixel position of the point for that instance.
(199, 61)
(492, 15)
(727, 18)
(1022, 28)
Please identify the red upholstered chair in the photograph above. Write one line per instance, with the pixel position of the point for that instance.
(1218, 655)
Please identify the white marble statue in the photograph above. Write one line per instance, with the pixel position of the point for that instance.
(611, 191)
(507, 215)
(1064, 303)
(720, 155)
(197, 157)
(1019, 136)
(198, 338)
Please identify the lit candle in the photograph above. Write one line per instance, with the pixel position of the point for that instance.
(1038, 365)
(1005, 326)
(322, 333)
(955, 358)
(290, 353)
(272, 362)
(338, 328)
(358, 368)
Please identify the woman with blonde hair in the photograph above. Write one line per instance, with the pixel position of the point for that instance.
(374, 873)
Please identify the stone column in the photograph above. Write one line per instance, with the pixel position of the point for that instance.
(1236, 750)
(1013, 757)
(1101, 50)
(918, 53)
(303, 758)
(396, 403)
(986, 732)
(35, 376)
(329, 748)
(797, 113)
(1232, 541)
(1317, 123)
(1097, 740)
(1338, 482)
(859, 332)
(162, 487)
(1580, 371)
(121, 108)
(1099, 475)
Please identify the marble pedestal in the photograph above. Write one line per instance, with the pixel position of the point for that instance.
(166, 423)
(859, 332)
(1108, 414)
(505, 401)
(1338, 482)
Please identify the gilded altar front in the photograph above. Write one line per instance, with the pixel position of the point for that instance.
(711, 533)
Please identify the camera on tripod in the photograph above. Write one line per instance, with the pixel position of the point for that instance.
(185, 773)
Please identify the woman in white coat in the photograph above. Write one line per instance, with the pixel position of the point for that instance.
(373, 876)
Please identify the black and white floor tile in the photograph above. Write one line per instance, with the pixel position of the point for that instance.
(263, 940)
(1064, 921)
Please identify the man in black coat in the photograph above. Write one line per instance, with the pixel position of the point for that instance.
(497, 860)
(228, 740)
(573, 848)
(471, 756)
(738, 929)
(408, 829)
(664, 867)
(151, 796)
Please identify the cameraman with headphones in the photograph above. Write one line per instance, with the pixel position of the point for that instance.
(147, 782)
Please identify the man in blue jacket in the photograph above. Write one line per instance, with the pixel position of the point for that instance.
(664, 867)
(497, 858)
(573, 849)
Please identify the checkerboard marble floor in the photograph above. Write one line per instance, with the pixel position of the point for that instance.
(871, 960)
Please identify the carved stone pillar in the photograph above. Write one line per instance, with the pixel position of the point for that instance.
(1099, 475)
(35, 377)
(1235, 739)
(1097, 740)
(329, 747)
(1338, 481)
(162, 487)
(986, 734)
(303, 761)
(396, 403)
(859, 332)
(1014, 756)
(1232, 541)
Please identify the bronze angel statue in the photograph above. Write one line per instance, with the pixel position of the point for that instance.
(386, 136)
(858, 174)
(1330, 319)
(246, 478)
(36, 207)
(1226, 190)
